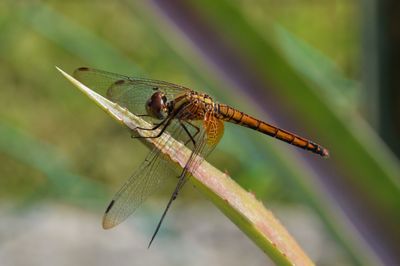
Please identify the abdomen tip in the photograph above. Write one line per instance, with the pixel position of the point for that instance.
(325, 153)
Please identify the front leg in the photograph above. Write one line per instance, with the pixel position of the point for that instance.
(166, 121)
(192, 138)
(155, 126)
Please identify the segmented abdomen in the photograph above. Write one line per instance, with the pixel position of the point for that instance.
(233, 115)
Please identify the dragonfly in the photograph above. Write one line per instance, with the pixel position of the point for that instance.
(191, 117)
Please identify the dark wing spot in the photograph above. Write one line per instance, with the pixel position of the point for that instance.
(110, 206)
(83, 69)
(119, 82)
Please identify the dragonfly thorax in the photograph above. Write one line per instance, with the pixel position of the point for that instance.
(157, 106)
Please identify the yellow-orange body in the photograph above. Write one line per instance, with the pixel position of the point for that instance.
(200, 106)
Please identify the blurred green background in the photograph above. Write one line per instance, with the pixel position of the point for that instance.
(312, 67)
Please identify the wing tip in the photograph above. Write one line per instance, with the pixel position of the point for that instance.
(107, 224)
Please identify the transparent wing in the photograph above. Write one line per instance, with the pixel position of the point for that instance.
(128, 92)
(97, 80)
(150, 175)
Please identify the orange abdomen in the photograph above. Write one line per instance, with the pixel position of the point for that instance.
(233, 115)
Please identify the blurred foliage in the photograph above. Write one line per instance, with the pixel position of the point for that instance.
(42, 119)
(332, 27)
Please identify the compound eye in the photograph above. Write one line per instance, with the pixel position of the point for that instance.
(155, 106)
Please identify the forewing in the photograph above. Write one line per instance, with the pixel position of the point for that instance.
(97, 80)
(128, 92)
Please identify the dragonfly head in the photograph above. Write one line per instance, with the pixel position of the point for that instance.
(157, 106)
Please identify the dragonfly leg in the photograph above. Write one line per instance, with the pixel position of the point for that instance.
(181, 182)
(195, 134)
(196, 127)
(189, 134)
(168, 121)
(155, 126)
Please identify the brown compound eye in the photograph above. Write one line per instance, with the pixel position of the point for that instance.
(156, 105)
